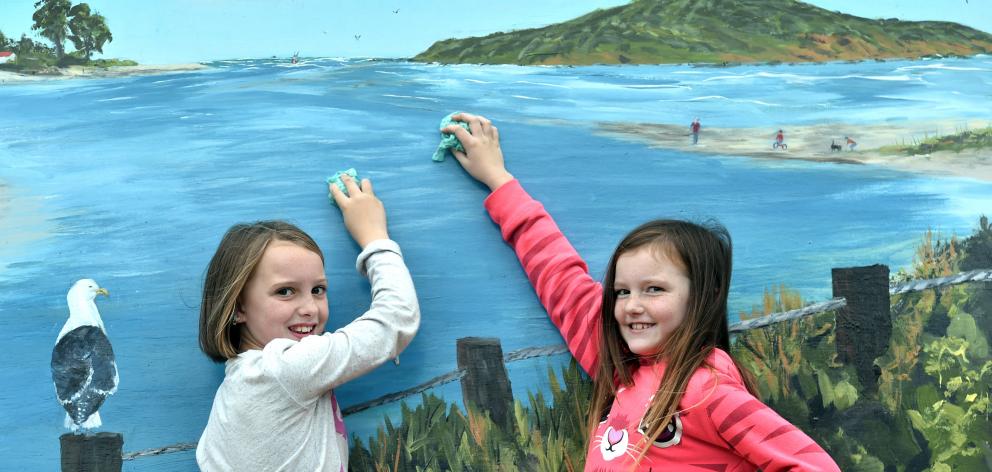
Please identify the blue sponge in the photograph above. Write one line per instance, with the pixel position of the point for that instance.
(336, 180)
(449, 141)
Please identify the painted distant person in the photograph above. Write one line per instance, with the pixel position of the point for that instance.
(851, 144)
(779, 141)
(694, 128)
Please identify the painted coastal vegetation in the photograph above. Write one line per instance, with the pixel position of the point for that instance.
(926, 408)
(60, 22)
(714, 31)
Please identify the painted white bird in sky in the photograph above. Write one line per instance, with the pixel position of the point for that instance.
(83, 366)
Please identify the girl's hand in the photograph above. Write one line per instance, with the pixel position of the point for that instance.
(482, 158)
(363, 213)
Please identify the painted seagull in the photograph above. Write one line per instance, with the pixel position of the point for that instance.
(83, 366)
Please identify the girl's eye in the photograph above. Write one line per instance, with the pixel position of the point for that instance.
(319, 290)
(654, 289)
(285, 291)
(621, 292)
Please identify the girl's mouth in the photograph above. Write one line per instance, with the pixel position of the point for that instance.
(301, 331)
(640, 326)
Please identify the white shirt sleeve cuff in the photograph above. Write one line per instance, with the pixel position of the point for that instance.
(379, 245)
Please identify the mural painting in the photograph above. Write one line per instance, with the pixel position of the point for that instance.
(847, 150)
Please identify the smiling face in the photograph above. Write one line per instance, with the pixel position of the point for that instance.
(652, 292)
(286, 296)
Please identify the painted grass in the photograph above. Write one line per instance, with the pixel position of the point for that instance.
(957, 142)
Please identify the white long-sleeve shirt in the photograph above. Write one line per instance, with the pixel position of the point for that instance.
(276, 411)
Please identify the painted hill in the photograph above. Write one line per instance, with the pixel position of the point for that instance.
(713, 31)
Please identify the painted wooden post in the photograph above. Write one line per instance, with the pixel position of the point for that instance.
(486, 384)
(100, 452)
(864, 325)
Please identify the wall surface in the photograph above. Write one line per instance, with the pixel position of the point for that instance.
(131, 180)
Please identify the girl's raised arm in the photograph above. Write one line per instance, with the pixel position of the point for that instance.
(560, 277)
(317, 364)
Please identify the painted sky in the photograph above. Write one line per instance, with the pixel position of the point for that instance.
(176, 31)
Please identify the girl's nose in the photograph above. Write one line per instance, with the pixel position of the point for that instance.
(310, 306)
(633, 304)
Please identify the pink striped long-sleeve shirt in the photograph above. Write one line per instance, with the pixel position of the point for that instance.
(720, 426)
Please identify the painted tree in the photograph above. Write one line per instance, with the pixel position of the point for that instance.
(89, 31)
(51, 19)
(26, 46)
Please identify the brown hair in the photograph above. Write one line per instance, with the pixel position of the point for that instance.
(232, 265)
(705, 254)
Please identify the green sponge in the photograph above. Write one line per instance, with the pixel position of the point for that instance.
(336, 180)
(449, 141)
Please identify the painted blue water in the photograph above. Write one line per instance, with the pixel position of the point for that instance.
(132, 181)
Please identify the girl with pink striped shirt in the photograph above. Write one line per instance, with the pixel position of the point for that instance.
(653, 336)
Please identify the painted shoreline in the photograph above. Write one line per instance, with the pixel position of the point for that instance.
(812, 143)
(83, 72)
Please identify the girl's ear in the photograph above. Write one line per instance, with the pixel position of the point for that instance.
(239, 314)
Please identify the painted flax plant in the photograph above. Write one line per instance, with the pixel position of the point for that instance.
(547, 435)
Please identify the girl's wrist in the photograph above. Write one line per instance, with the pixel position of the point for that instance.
(498, 181)
(367, 239)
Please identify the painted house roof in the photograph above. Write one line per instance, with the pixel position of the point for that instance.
(6, 53)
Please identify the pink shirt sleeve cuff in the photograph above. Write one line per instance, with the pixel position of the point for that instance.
(502, 199)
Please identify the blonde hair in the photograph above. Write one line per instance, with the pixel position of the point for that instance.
(232, 265)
